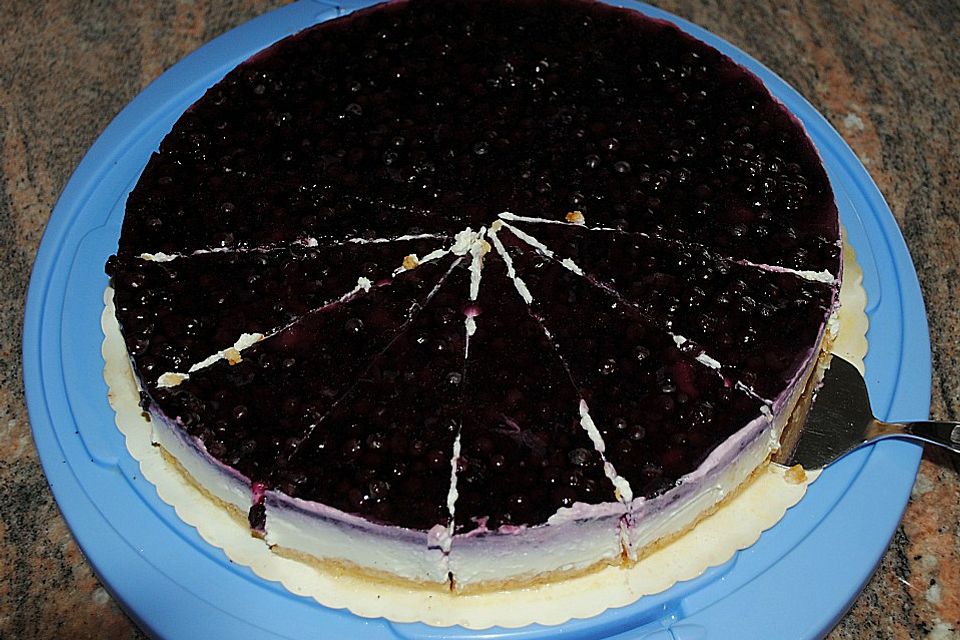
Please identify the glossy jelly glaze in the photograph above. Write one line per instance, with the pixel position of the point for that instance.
(464, 267)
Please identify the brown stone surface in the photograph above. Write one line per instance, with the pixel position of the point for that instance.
(886, 74)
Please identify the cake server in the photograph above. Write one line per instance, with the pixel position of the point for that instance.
(841, 421)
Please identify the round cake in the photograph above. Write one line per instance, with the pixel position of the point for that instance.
(477, 294)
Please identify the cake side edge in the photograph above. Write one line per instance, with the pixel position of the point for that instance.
(651, 528)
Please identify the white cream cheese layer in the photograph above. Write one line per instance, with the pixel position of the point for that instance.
(221, 481)
(350, 542)
(573, 540)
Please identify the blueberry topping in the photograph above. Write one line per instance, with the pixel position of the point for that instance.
(281, 195)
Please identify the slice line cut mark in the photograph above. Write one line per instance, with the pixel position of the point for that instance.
(412, 314)
(621, 486)
(687, 346)
(479, 247)
(233, 353)
(823, 277)
(300, 243)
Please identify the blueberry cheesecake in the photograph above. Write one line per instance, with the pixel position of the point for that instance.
(478, 294)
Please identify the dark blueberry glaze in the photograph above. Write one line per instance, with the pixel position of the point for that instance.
(252, 415)
(749, 319)
(428, 116)
(660, 412)
(523, 452)
(385, 451)
(174, 314)
(433, 114)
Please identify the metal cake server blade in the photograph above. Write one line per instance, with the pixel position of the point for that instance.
(841, 421)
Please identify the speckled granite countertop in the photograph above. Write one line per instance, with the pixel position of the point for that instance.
(886, 74)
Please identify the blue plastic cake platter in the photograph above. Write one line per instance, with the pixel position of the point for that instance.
(796, 581)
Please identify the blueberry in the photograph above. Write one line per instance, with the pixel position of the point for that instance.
(579, 457)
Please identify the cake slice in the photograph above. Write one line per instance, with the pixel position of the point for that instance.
(743, 316)
(534, 498)
(367, 490)
(659, 411)
(250, 414)
(177, 313)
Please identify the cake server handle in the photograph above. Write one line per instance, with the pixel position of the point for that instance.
(943, 434)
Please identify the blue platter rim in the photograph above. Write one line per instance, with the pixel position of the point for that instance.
(801, 575)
